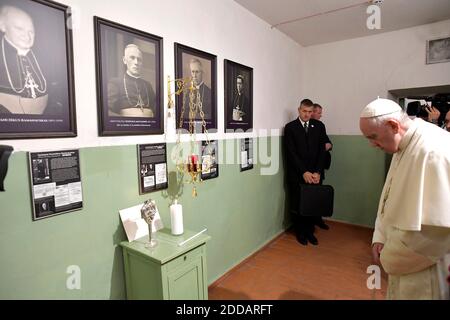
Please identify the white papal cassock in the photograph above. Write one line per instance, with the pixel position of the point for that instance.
(413, 219)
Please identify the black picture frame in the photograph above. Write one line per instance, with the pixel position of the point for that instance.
(210, 159)
(246, 155)
(438, 50)
(238, 107)
(38, 101)
(55, 181)
(152, 167)
(129, 99)
(184, 55)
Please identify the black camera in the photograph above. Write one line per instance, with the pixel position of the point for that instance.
(417, 109)
(440, 101)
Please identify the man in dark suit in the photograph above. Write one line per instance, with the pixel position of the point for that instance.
(201, 92)
(304, 140)
(317, 115)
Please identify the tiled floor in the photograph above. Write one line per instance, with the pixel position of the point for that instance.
(335, 269)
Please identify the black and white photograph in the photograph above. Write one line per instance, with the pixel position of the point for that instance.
(152, 165)
(246, 155)
(55, 182)
(210, 163)
(41, 170)
(238, 96)
(438, 50)
(199, 69)
(129, 80)
(36, 99)
(44, 206)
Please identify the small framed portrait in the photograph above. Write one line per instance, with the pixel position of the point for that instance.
(36, 98)
(199, 69)
(129, 80)
(238, 96)
(438, 50)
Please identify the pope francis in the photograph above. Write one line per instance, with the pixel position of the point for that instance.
(412, 228)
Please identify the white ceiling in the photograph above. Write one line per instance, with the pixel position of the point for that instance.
(343, 24)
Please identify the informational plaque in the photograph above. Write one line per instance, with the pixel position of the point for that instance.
(246, 154)
(152, 166)
(55, 182)
(210, 165)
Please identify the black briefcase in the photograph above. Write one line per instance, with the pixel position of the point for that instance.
(316, 200)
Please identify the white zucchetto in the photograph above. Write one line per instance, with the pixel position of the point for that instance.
(380, 107)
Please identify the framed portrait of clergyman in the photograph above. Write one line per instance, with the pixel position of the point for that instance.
(238, 96)
(199, 68)
(129, 80)
(36, 70)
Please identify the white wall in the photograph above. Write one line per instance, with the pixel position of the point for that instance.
(220, 27)
(344, 76)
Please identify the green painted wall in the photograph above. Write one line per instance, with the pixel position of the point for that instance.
(242, 211)
(357, 174)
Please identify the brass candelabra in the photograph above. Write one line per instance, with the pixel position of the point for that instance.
(193, 167)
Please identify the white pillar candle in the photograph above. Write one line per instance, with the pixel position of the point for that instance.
(176, 218)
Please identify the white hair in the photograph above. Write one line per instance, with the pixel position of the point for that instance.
(6, 10)
(132, 45)
(195, 60)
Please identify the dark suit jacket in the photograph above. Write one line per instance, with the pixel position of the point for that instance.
(327, 163)
(304, 152)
